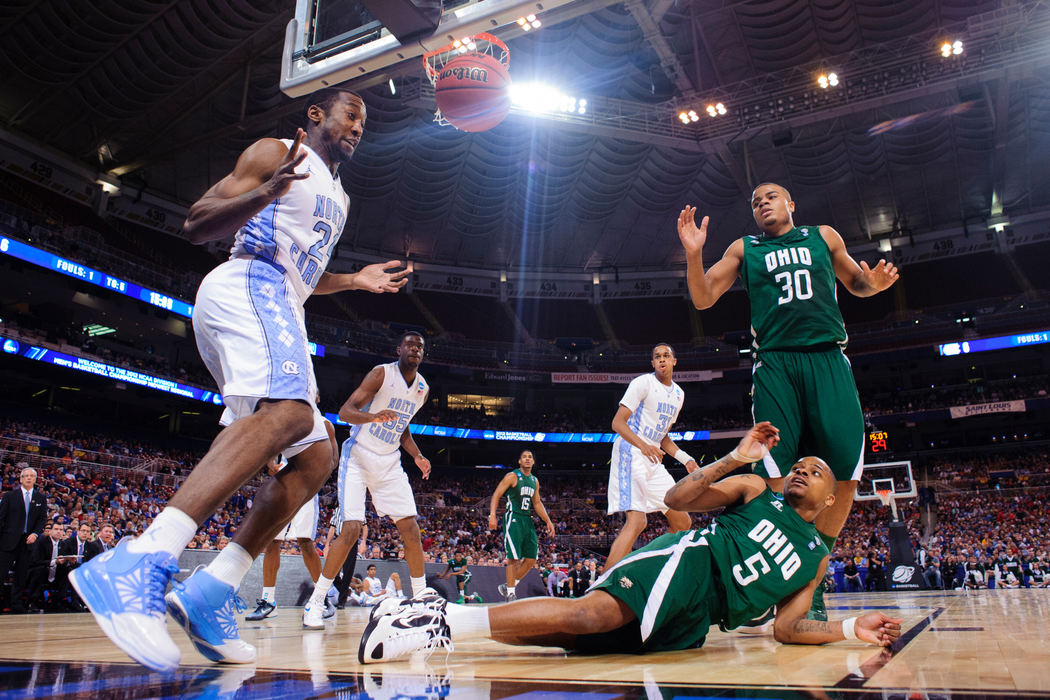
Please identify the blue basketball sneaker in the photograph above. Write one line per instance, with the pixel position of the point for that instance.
(125, 593)
(207, 609)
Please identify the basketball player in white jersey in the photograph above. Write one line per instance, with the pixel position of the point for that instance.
(637, 477)
(380, 410)
(371, 590)
(286, 207)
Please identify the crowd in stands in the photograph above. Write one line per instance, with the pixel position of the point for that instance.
(932, 398)
(97, 481)
(113, 350)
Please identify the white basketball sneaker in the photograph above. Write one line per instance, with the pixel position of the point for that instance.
(427, 598)
(313, 616)
(399, 634)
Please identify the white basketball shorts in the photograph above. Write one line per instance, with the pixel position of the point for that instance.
(303, 524)
(381, 475)
(635, 483)
(251, 335)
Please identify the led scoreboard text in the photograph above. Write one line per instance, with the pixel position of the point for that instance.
(42, 258)
(878, 441)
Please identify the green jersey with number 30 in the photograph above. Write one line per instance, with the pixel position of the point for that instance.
(519, 496)
(764, 551)
(790, 281)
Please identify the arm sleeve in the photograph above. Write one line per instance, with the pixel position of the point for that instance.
(635, 393)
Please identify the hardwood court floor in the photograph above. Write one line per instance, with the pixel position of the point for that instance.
(988, 643)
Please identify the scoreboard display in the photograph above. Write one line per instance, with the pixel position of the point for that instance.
(878, 441)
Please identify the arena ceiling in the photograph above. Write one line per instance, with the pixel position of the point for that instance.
(166, 93)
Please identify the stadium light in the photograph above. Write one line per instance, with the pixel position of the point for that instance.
(529, 22)
(951, 48)
(543, 98)
(716, 110)
(829, 80)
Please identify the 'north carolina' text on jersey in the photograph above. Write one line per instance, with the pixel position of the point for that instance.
(297, 231)
(763, 552)
(654, 407)
(519, 496)
(396, 396)
(790, 282)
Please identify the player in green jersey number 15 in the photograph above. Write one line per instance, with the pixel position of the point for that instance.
(802, 382)
(761, 551)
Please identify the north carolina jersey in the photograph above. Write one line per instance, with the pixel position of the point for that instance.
(397, 396)
(763, 552)
(519, 496)
(790, 281)
(654, 407)
(297, 231)
(375, 586)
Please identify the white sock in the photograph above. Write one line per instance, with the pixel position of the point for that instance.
(169, 532)
(418, 583)
(230, 565)
(510, 590)
(466, 622)
(324, 584)
(269, 594)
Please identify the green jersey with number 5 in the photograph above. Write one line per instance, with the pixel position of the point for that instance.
(763, 552)
(790, 281)
(519, 496)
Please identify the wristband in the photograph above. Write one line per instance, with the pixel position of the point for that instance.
(682, 457)
(849, 630)
(747, 460)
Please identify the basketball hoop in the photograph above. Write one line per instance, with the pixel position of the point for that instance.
(483, 43)
(886, 498)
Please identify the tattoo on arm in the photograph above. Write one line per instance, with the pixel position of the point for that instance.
(706, 476)
(819, 626)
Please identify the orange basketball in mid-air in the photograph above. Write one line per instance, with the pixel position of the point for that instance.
(472, 92)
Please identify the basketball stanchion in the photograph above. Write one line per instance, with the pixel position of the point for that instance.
(471, 82)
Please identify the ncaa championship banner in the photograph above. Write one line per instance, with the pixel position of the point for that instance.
(618, 378)
(983, 409)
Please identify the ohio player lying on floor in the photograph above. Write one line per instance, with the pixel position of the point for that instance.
(763, 550)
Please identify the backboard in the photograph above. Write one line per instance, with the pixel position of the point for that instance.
(894, 476)
(329, 42)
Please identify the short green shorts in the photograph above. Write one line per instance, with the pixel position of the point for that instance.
(519, 536)
(669, 584)
(812, 398)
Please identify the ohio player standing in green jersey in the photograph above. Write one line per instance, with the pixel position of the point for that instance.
(801, 381)
(522, 490)
(763, 550)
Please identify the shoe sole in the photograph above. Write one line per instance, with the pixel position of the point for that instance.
(106, 624)
(205, 647)
(313, 627)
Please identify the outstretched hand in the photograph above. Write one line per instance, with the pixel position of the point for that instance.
(281, 180)
(424, 466)
(692, 238)
(375, 278)
(759, 441)
(876, 628)
(880, 277)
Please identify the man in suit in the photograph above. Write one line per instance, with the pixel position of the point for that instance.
(22, 514)
(50, 565)
(106, 540)
(79, 545)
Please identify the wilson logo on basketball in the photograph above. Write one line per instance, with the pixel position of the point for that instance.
(903, 574)
(477, 75)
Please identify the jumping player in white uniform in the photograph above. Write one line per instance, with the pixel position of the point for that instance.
(637, 477)
(286, 205)
(380, 410)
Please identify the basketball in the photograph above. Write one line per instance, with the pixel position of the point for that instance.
(471, 92)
